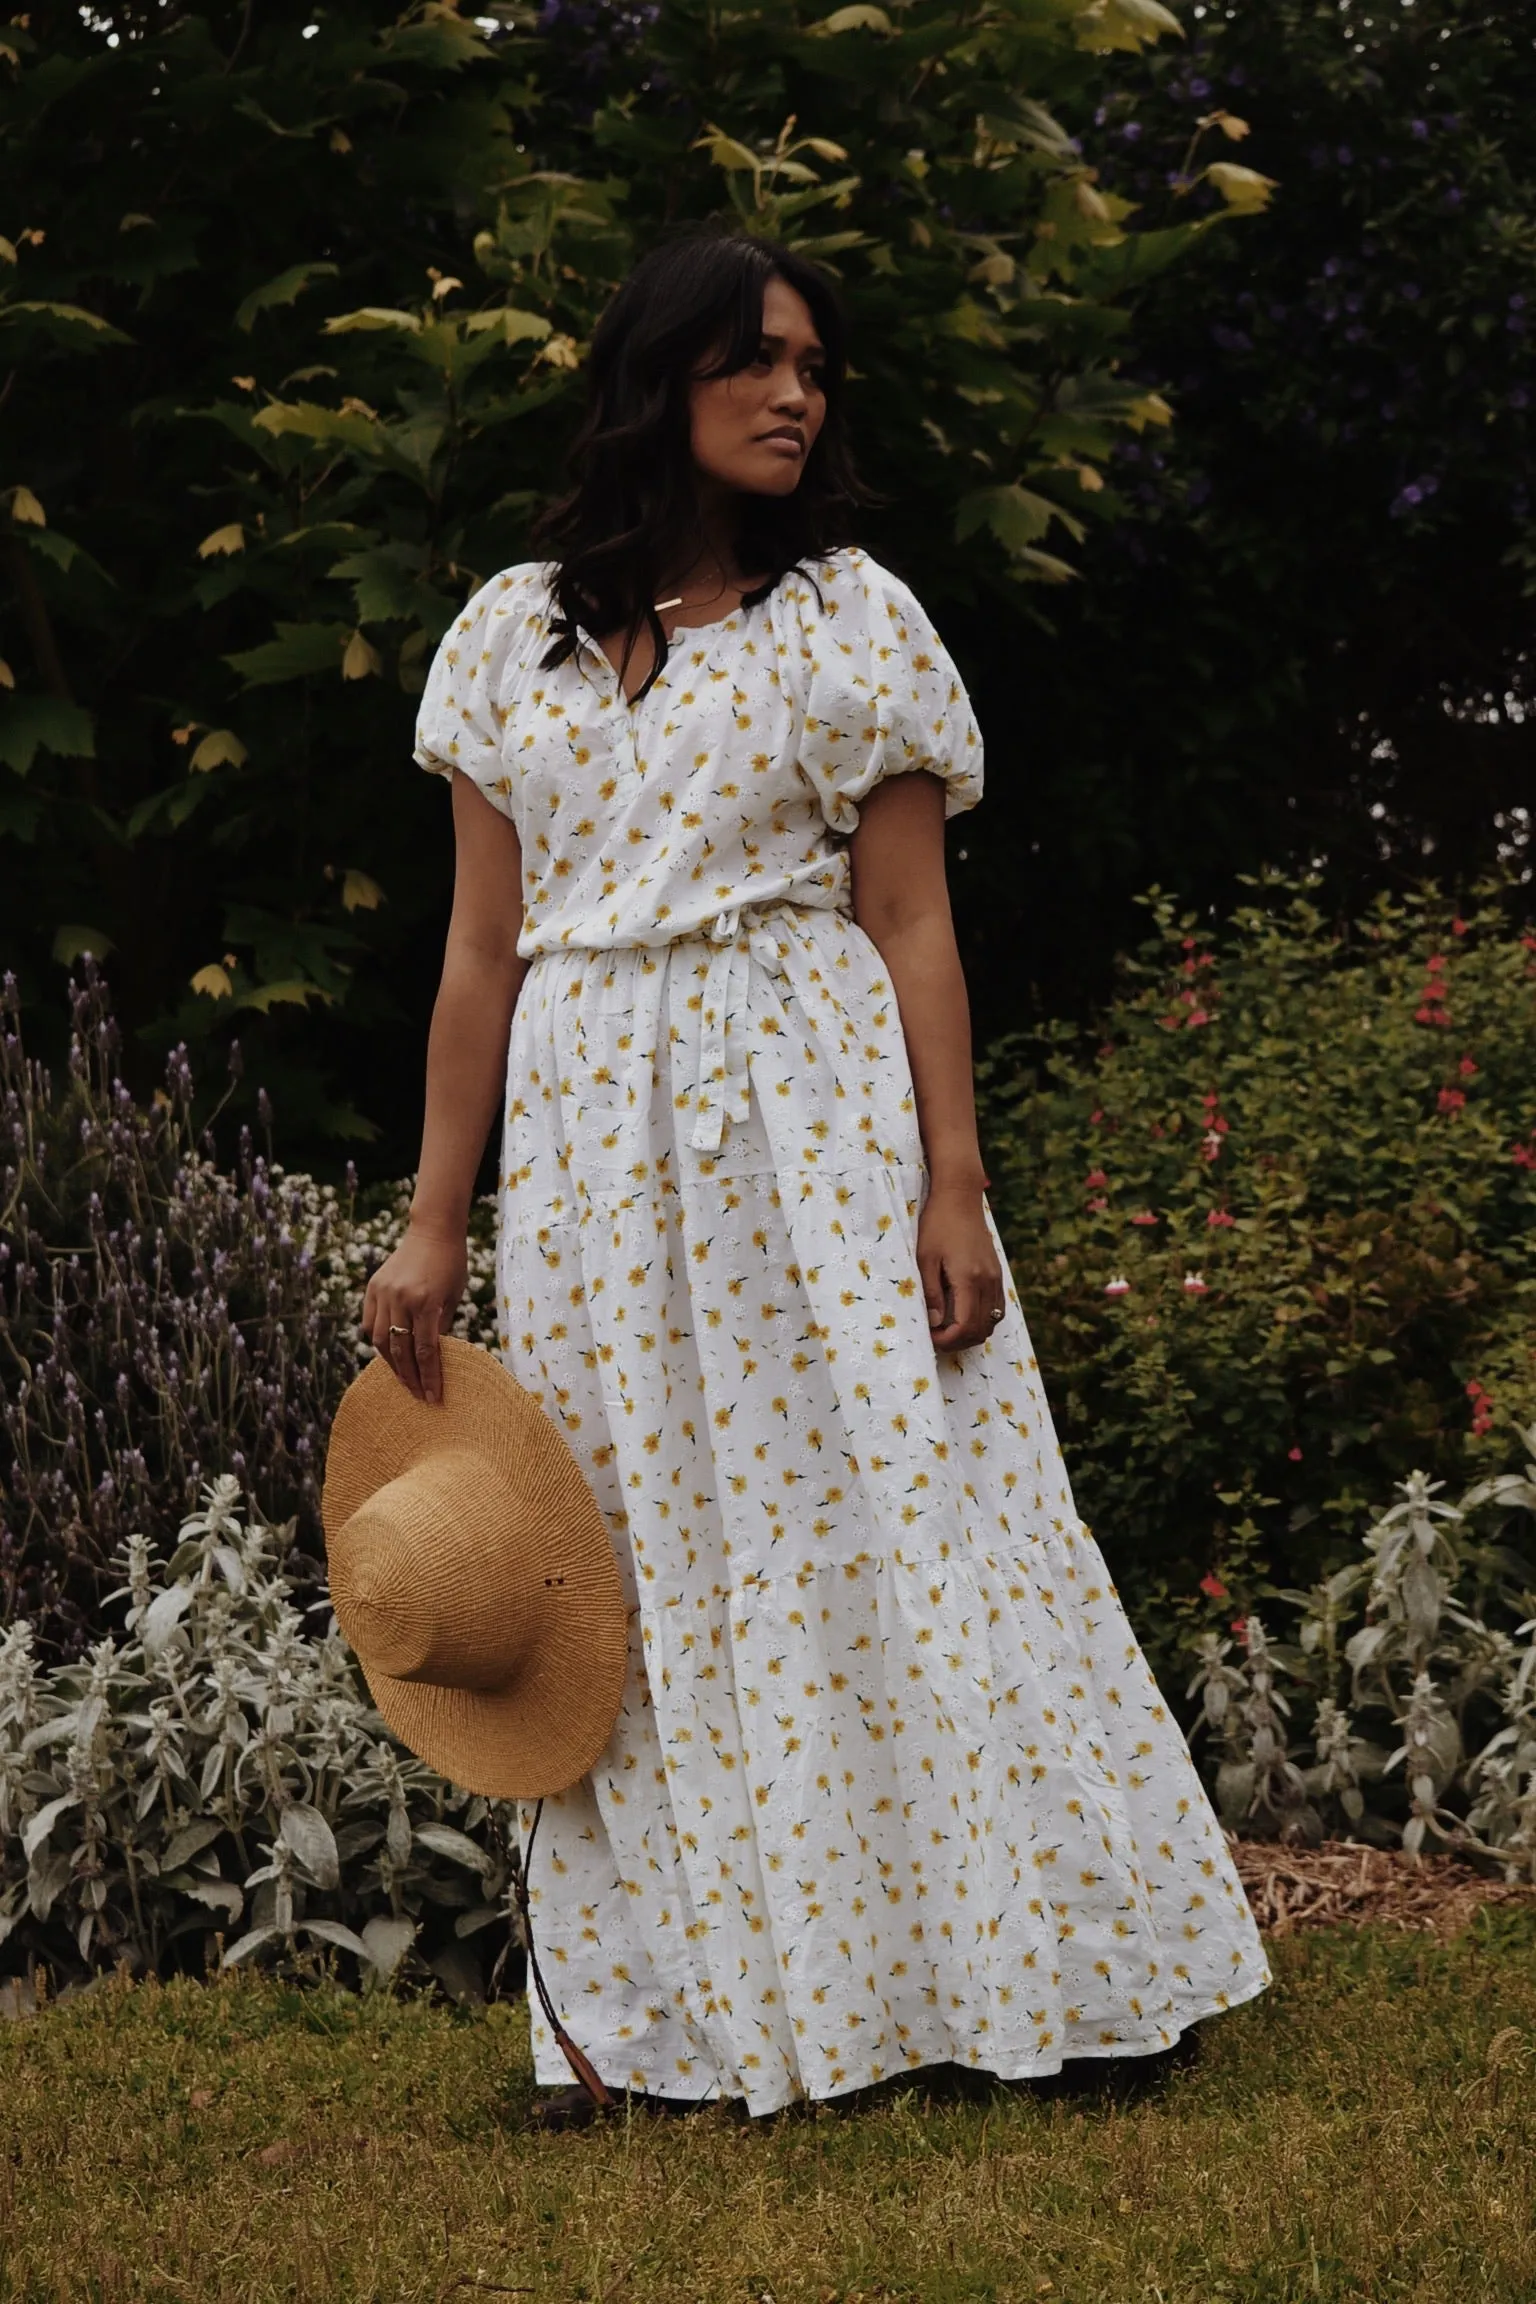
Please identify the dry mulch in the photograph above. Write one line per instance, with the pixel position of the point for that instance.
(1340, 1882)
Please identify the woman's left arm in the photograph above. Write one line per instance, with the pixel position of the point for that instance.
(901, 901)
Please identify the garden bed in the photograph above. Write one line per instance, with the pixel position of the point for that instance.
(1343, 1882)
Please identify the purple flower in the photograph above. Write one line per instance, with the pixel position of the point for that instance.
(1419, 128)
(1345, 157)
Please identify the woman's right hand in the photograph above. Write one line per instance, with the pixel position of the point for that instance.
(410, 1300)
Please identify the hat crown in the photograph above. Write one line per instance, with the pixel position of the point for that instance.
(474, 1576)
(424, 1581)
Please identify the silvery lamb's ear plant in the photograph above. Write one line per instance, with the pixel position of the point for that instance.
(1259, 1788)
(216, 1770)
(1453, 1692)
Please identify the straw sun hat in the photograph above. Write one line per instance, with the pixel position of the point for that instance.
(472, 1572)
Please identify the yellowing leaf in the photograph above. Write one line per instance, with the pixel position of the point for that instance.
(360, 894)
(360, 659)
(1091, 204)
(1128, 25)
(214, 982)
(1230, 125)
(1150, 408)
(516, 327)
(294, 995)
(134, 222)
(7, 250)
(1089, 480)
(340, 140)
(858, 18)
(220, 748)
(7, 676)
(25, 507)
(228, 539)
(725, 151)
(443, 286)
(372, 316)
(824, 148)
(560, 352)
(69, 944)
(1244, 190)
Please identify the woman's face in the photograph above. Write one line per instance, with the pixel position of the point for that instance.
(753, 431)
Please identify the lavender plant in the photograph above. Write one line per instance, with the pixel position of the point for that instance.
(1437, 1681)
(211, 1782)
(161, 1320)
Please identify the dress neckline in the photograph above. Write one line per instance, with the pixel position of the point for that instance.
(679, 632)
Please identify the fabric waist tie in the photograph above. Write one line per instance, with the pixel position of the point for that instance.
(723, 1087)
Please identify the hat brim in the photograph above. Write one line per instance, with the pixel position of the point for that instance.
(544, 1732)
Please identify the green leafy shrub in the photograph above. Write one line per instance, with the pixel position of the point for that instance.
(1276, 1229)
(292, 363)
(214, 1769)
(1441, 1662)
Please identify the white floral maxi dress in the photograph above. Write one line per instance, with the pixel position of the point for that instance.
(892, 1784)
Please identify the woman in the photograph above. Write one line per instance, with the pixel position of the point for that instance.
(892, 1785)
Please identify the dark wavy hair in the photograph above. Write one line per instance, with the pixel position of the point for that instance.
(692, 307)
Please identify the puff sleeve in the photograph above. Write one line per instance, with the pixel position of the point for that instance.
(879, 692)
(472, 686)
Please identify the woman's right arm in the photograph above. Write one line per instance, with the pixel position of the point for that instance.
(417, 1289)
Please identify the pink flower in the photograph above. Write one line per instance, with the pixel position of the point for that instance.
(1523, 1156)
(1211, 1143)
(1212, 1585)
(1435, 963)
(1094, 1118)
(1097, 1204)
(1452, 1100)
(1475, 1390)
(1240, 1627)
(1197, 1017)
(1119, 1286)
(1294, 1455)
(1219, 1221)
(1096, 1179)
(1194, 1284)
(1459, 927)
(1467, 1068)
(1144, 1217)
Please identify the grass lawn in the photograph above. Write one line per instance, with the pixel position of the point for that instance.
(1363, 2133)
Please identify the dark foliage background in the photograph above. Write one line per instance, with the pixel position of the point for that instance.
(1309, 638)
(294, 332)
(290, 349)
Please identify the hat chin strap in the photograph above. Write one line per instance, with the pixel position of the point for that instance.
(593, 2086)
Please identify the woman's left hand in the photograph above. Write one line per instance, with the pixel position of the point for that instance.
(962, 1276)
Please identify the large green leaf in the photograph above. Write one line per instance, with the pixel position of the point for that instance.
(298, 651)
(30, 724)
(285, 289)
